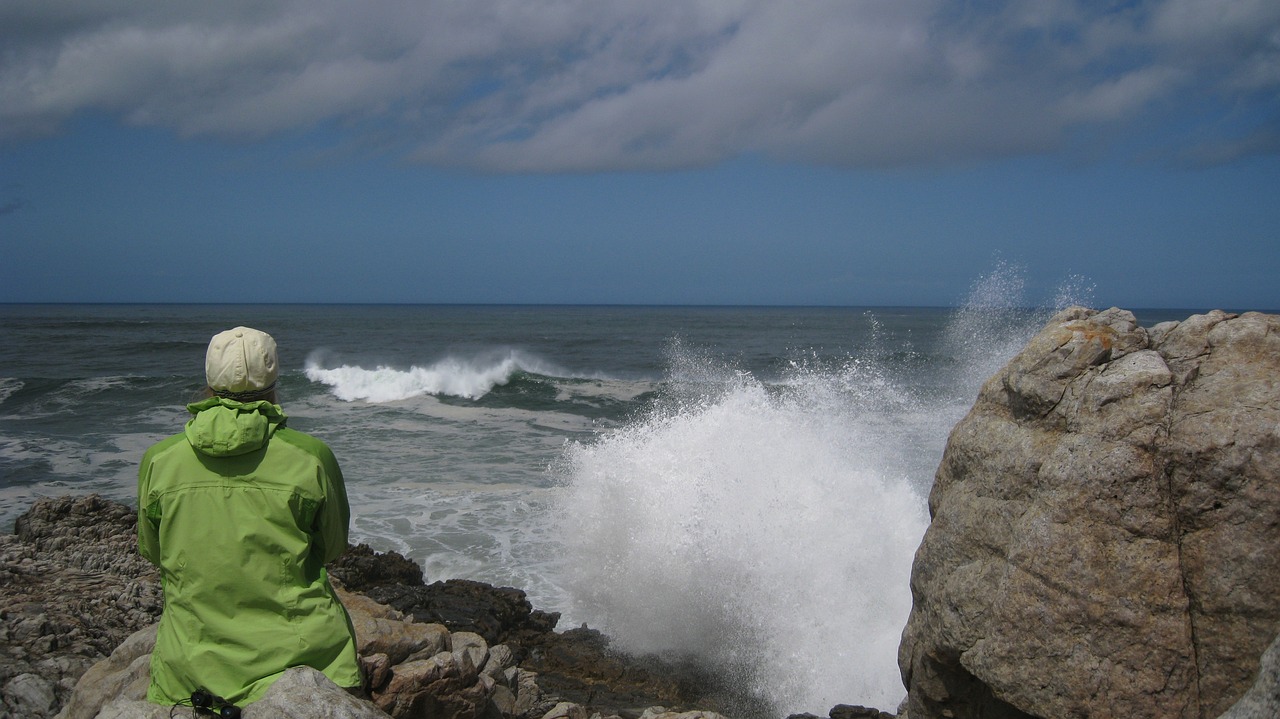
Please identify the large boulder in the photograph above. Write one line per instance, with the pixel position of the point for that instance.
(1105, 526)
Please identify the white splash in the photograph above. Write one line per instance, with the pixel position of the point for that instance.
(466, 377)
(768, 530)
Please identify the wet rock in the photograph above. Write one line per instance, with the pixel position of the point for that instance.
(849, 711)
(360, 568)
(498, 614)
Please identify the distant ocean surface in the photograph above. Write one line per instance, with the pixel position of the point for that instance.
(743, 484)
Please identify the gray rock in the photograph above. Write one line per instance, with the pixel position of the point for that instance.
(663, 713)
(1262, 701)
(28, 694)
(566, 710)
(300, 693)
(470, 649)
(125, 708)
(73, 587)
(528, 693)
(499, 661)
(1104, 530)
(304, 693)
(123, 674)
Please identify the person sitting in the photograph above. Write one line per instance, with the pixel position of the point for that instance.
(240, 513)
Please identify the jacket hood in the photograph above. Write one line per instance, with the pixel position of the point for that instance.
(224, 427)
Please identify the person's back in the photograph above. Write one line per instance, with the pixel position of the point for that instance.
(240, 513)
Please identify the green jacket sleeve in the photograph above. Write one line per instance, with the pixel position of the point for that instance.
(334, 516)
(148, 519)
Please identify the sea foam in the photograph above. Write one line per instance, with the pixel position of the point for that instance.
(467, 377)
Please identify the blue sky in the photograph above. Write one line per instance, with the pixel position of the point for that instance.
(575, 151)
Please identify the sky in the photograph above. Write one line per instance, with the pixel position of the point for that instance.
(806, 152)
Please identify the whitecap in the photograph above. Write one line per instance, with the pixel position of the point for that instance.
(467, 377)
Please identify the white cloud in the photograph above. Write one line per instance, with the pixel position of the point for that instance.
(554, 85)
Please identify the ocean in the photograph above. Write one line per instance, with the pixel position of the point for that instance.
(742, 485)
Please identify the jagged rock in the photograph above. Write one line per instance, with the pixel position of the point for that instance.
(360, 568)
(1104, 526)
(124, 673)
(72, 587)
(498, 663)
(528, 693)
(376, 669)
(382, 630)
(443, 686)
(498, 614)
(576, 665)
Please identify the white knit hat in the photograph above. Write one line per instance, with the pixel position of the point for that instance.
(241, 360)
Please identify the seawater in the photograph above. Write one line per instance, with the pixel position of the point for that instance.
(745, 486)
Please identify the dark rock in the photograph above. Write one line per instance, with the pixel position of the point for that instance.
(498, 614)
(360, 569)
(848, 711)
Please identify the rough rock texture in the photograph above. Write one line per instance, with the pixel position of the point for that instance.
(576, 665)
(117, 689)
(74, 591)
(1262, 701)
(1105, 526)
(74, 587)
(413, 670)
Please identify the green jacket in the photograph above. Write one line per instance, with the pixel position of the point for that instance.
(241, 513)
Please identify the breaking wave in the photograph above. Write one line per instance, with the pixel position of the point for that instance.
(456, 376)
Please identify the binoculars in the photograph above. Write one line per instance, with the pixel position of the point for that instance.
(212, 705)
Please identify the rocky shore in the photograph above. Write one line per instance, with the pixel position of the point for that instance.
(80, 606)
(1105, 542)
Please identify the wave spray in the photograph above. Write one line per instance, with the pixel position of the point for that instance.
(765, 529)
